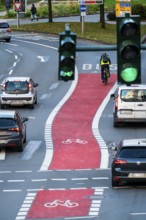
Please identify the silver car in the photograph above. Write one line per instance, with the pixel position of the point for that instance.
(18, 91)
(5, 31)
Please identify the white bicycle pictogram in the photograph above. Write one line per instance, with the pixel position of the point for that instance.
(66, 203)
(78, 141)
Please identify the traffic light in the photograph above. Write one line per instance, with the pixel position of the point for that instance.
(67, 55)
(128, 49)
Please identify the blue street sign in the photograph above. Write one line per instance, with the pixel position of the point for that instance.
(83, 8)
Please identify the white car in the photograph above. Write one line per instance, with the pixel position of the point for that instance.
(129, 104)
(5, 31)
(18, 91)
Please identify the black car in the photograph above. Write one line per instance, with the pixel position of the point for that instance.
(12, 129)
(129, 163)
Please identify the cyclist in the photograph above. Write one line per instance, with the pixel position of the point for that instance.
(104, 63)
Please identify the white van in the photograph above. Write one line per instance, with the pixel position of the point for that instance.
(129, 104)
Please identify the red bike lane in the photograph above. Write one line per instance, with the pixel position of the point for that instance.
(75, 147)
(74, 123)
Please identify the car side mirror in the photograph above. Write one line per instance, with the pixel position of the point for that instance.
(35, 84)
(24, 119)
(113, 146)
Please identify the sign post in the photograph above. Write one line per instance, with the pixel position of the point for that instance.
(17, 9)
(83, 13)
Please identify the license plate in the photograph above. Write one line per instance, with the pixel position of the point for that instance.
(126, 112)
(15, 102)
(137, 175)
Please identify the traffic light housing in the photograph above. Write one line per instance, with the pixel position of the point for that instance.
(67, 55)
(129, 49)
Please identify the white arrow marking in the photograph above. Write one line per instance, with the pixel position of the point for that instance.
(43, 58)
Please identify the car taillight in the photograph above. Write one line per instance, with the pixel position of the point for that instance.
(14, 129)
(117, 161)
(9, 30)
(116, 103)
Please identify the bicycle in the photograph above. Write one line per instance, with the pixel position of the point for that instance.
(70, 141)
(106, 75)
(66, 203)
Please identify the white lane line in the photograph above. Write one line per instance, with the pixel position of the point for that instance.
(38, 180)
(30, 149)
(140, 213)
(95, 129)
(15, 181)
(25, 206)
(96, 203)
(48, 126)
(2, 154)
(12, 190)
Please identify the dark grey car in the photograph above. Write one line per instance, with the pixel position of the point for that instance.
(129, 163)
(12, 129)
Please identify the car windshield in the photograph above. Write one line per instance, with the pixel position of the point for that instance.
(133, 152)
(4, 25)
(130, 95)
(17, 87)
(7, 123)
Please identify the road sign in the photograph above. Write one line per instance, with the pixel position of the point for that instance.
(83, 13)
(88, 2)
(18, 5)
(83, 8)
(122, 8)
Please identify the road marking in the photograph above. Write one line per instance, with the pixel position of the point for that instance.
(54, 86)
(15, 181)
(25, 206)
(48, 126)
(43, 58)
(2, 154)
(96, 132)
(30, 149)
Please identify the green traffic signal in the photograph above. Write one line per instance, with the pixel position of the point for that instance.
(128, 49)
(67, 54)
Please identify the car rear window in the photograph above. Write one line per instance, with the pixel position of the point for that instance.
(136, 95)
(20, 87)
(4, 25)
(7, 122)
(133, 152)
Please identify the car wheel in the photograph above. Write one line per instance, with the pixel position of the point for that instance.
(32, 106)
(24, 141)
(116, 124)
(20, 147)
(8, 40)
(36, 101)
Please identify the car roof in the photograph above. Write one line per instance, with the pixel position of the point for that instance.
(20, 78)
(134, 142)
(136, 86)
(7, 113)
